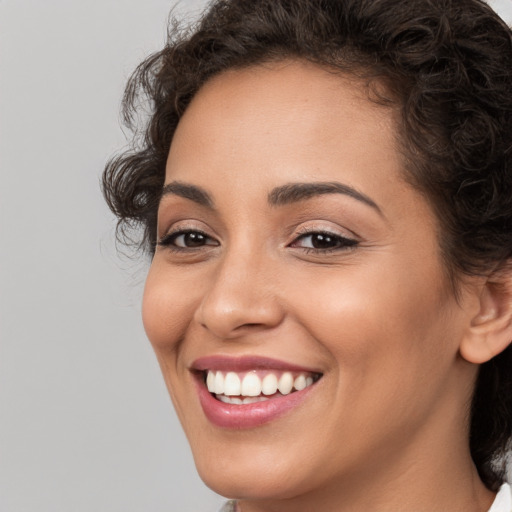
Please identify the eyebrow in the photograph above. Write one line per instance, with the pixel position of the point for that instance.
(187, 191)
(279, 196)
(295, 192)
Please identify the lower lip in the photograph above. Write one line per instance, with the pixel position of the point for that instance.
(247, 415)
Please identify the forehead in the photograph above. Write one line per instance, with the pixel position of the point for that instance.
(276, 116)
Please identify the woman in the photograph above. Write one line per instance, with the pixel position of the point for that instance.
(325, 191)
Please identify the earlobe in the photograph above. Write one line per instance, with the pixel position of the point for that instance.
(490, 331)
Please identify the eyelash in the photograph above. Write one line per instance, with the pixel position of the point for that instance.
(169, 240)
(343, 243)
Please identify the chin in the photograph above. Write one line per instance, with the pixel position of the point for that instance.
(253, 484)
(259, 475)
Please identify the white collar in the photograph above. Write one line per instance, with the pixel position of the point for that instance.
(503, 501)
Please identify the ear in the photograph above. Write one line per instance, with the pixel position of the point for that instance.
(490, 331)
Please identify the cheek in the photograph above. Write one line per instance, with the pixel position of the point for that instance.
(381, 327)
(385, 335)
(167, 309)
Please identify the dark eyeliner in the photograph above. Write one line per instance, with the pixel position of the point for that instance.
(168, 239)
(343, 242)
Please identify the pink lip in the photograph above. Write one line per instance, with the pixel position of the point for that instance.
(246, 415)
(245, 363)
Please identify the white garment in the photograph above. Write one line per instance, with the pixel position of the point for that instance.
(503, 501)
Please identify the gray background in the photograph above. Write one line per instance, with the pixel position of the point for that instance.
(85, 421)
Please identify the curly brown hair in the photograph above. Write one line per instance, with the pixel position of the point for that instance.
(447, 64)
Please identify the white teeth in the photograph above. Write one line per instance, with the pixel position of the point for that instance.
(251, 385)
(285, 385)
(299, 383)
(239, 401)
(254, 399)
(269, 384)
(219, 383)
(228, 386)
(230, 399)
(210, 382)
(232, 384)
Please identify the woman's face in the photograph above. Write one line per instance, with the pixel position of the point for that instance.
(292, 253)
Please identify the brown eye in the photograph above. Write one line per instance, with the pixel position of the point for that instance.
(321, 241)
(190, 240)
(187, 240)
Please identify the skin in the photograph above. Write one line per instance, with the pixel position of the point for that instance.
(385, 429)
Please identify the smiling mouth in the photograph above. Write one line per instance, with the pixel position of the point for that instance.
(253, 386)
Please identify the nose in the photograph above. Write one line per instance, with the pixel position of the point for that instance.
(240, 297)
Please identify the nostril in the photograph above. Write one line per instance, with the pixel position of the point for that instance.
(249, 325)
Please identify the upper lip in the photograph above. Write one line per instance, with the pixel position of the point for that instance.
(246, 363)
